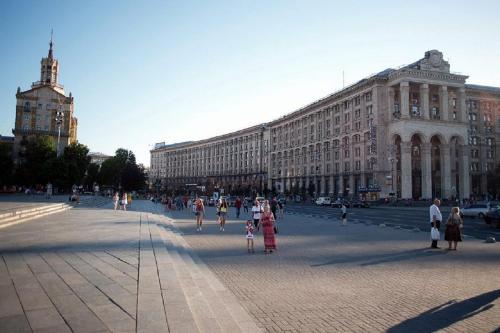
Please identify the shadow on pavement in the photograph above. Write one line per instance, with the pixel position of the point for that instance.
(383, 258)
(447, 314)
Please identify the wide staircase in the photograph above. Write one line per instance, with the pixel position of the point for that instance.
(188, 296)
(30, 211)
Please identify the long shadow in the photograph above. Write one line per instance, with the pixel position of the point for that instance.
(447, 314)
(367, 260)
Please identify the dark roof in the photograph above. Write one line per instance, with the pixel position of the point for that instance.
(9, 139)
(495, 90)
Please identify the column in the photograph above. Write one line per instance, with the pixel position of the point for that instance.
(424, 100)
(341, 186)
(425, 154)
(462, 113)
(404, 88)
(406, 186)
(390, 103)
(323, 185)
(464, 172)
(351, 186)
(445, 171)
(443, 104)
(331, 186)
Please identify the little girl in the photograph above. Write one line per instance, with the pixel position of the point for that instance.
(249, 236)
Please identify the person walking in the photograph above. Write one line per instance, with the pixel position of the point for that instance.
(124, 201)
(267, 223)
(116, 198)
(245, 205)
(200, 211)
(224, 207)
(274, 207)
(281, 208)
(344, 214)
(436, 218)
(237, 204)
(129, 199)
(256, 213)
(452, 232)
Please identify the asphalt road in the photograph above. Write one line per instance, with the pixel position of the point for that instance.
(405, 217)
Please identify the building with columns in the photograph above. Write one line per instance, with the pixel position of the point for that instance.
(418, 131)
(41, 109)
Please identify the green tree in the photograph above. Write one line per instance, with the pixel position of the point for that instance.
(36, 158)
(92, 174)
(6, 164)
(76, 161)
(109, 174)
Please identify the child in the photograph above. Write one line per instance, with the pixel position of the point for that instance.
(249, 236)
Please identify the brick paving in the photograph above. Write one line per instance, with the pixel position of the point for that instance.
(359, 278)
(99, 270)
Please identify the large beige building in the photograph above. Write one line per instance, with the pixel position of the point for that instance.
(418, 131)
(37, 108)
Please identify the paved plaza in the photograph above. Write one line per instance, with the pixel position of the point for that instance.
(94, 269)
(359, 278)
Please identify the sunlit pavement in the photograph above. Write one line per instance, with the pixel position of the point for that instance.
(362, 277)
(80, 270)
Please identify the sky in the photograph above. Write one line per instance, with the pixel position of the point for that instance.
(143, 72)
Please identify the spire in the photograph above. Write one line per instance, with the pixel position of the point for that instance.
(50, 49)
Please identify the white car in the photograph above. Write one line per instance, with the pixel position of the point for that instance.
(477, 210)
(323, 201)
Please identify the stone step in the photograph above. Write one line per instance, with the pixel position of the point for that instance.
(203, 315)
(23, 215)
(230, 315)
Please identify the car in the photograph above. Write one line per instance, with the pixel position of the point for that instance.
(323, 201)
(211, 201)
(360, 203)
(477, 210)
(260, 199)
(338, 203)
(297, 199)
(493, 218)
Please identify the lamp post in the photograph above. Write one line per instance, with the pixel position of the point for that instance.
(59, 121)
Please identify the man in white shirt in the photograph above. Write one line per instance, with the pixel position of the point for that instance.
(436, 218)
(344, 214)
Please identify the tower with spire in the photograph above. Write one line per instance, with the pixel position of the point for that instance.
(45, 108)
(49, 66)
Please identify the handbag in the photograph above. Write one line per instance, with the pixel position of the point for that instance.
(434, 234)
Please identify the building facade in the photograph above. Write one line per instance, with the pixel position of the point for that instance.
(98, 158)
(418, 131)
(45, 109)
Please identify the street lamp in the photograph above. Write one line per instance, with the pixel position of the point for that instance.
(59, 121)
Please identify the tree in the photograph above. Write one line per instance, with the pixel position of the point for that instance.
(122, 170)
(92, 175)
(6, 164)
(76, 162)
(36, 159)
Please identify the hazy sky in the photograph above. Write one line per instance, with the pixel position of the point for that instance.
(148, 71)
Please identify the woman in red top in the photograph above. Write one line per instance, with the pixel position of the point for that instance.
(267, 223)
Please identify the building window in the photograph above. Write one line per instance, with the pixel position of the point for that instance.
(358, 165)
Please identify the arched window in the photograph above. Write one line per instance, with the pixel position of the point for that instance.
(27, 107)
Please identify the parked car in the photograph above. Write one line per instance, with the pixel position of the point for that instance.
(360, 203)
(338, 203)
(477, 210)
(323, 201)
(260, 199)
(493, 217)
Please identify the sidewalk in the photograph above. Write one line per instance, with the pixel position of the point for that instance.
(99, 270)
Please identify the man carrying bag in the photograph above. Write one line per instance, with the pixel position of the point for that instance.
(436, 218)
